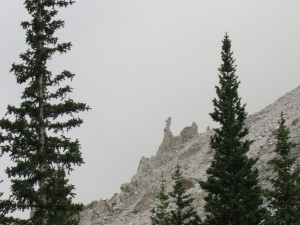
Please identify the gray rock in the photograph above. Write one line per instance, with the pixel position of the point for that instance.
(191, 150)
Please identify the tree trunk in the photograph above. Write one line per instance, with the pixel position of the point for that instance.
(42, 133)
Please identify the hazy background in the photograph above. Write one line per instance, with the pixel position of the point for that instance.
(138, 62)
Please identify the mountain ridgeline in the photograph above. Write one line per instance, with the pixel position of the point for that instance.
(191, 151)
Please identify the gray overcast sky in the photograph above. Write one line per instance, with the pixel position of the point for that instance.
(138, 62)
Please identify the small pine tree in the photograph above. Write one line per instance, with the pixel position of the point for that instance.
(284, 198)
(184, 212)
(234, 197)
(160, 214)
(35, 130)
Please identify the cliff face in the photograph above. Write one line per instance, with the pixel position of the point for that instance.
(191, 150)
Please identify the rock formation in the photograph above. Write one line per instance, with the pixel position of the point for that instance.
(191, 150)
(169, 141)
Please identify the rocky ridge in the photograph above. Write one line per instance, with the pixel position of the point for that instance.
(191, 150)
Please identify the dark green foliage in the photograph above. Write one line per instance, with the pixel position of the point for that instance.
(233, 196)
(2, 211)
(34, 131)
(183, 213)
(61, 196)
(160, 214)
(284, 198)
(176, 207)
(5, 208)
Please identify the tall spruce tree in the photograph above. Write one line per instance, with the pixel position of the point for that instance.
(160, 214)
(284, 198)
(183, 213)
(234, 197)
(43, 156)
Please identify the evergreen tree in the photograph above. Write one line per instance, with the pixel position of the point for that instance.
(5, 208)
(2, 208)
(160, 214)
(233, 196)
(284, 198)
(183, 212)
(43, 156)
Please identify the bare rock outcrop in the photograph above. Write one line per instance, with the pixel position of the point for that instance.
(169, 141)
(191, 150)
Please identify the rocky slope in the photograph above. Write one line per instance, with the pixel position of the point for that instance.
(191, 150)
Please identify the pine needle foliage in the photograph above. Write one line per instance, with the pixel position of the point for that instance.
(234, 197)
(175, 207)
(284, 198)
(35, 130)
(2, 210)
(5, 208)
(183, 213)
(160, 214)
